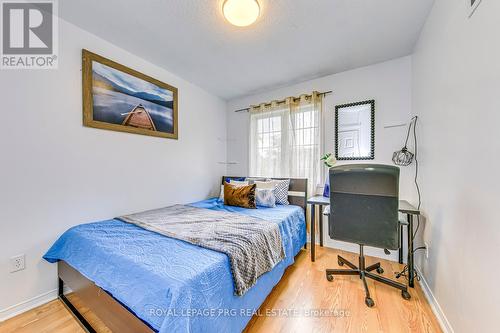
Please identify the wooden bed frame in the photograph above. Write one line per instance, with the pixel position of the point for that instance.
(93, 307)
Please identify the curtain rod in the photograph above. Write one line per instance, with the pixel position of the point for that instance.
(284, 100)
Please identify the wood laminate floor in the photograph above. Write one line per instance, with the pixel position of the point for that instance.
(303, 301)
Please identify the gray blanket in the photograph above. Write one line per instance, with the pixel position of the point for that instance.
(253, 245)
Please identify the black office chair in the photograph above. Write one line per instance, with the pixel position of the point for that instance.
(364, 210)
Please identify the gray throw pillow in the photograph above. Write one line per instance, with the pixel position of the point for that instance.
(265, 198)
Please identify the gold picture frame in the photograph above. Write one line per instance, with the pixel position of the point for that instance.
(118, 98)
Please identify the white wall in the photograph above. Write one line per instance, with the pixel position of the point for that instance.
(456, 87)
(55, 173)
(389, 83)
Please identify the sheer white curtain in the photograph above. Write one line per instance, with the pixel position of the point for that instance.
(285, 139)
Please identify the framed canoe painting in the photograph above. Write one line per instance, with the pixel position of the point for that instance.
(119, 98)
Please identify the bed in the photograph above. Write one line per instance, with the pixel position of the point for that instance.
(135, 280)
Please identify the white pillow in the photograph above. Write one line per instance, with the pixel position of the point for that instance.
(267, 185)
(265, 197)
(232, 182)
(238, 183)
(252, 180)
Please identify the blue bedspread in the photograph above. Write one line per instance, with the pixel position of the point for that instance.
(170, 284)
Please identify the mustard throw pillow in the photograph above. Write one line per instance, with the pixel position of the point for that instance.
(240, 196)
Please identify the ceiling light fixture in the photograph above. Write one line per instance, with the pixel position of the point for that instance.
(241, 13)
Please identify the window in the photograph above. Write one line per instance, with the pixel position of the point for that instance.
(285, 139)
(269, 143)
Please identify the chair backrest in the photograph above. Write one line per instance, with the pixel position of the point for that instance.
(364, 202)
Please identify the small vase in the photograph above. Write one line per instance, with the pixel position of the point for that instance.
(326, 190)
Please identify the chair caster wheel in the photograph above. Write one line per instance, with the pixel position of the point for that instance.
(406, 295)
(329, 277)
(369, 302)
(340, 263)
(380, 270)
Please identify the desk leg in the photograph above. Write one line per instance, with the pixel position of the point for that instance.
(321, 225)
(401, 240)
(313, 233)
(305, 245)
(411, 268)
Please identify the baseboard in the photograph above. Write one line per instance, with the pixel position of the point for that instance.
(27, 305)
(436, 308)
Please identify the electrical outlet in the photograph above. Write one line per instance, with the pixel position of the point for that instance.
(17, 263)
(426, 251)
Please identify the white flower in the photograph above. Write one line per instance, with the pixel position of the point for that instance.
(331, 160)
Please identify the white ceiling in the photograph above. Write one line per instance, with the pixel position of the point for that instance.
(293, 40)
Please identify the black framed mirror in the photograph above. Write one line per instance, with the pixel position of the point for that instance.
(355, 131)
